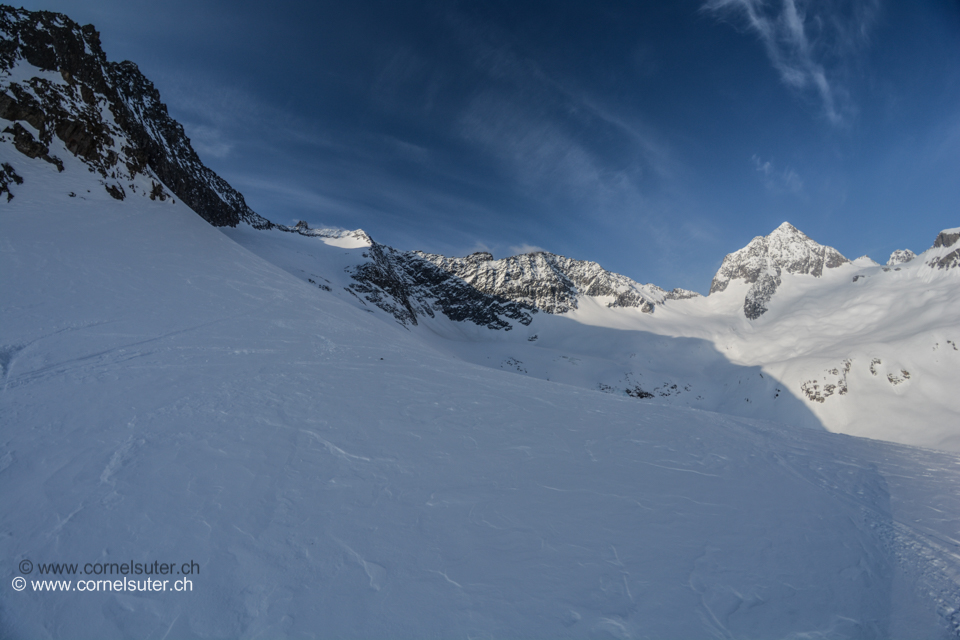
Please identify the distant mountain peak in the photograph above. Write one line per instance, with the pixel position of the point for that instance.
(553, 283)
(786, 227)
(900, 256)
(762, 262)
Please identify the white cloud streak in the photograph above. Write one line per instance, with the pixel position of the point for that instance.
(807, 47)
(544, 148)
(778, 180)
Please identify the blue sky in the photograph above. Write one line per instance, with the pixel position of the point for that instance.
(651, 137)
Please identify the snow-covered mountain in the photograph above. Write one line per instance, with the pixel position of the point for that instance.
(762, 262)
(321, 424)
(789, 324)
(900, 256)
(58, 84)
(553, 283)
(857, 347)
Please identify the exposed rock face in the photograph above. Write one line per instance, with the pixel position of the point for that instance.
(552, 283)
(358, 237)
(412, 285)
(407, 286)
(7, 177)
(900, 256)
(947, 238)
(107, 114)
(947, 259)
(762, 262)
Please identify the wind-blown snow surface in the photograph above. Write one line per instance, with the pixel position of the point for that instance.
(169, 396)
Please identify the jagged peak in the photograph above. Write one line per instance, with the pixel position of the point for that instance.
(785, 250)
(786, 227)
(551, 282)
(900, 256)
(50, 41)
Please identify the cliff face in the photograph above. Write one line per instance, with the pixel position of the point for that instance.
(59, 93)
(552, 283)
(946, 254)
(406, 285)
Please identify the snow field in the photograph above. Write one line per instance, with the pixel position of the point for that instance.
(168, 395)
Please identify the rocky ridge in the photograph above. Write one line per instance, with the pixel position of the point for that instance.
(944, 259)
(762, 262)
(477, 288)
(60, 95)
(411, 288)
(900, 256)
(407, 286)
(59, 91)
(552, 283)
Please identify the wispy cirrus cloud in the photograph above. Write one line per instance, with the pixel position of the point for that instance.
(808, 42)
(208, 141)
(778, 180)
(547, 130)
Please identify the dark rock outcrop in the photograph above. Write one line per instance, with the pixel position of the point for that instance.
(410, 288)
(7, 177)
(949, 261)
(107, 114)
(407, 286)
(25, 143)
(945, 259)
(947, 238)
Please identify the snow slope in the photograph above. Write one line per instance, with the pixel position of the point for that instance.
(169, 396)
(857, 348)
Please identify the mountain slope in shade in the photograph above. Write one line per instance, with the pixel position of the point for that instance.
(232, 398)
(57, 87)
(170, 396)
